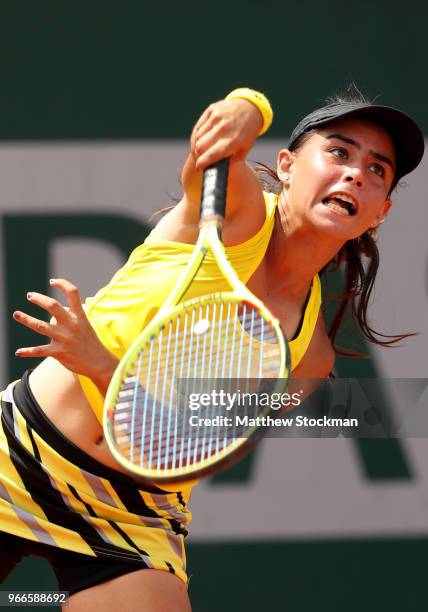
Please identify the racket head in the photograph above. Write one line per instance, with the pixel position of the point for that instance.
(218, 338)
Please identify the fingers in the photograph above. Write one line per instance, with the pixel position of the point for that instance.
(205, 115)
(55, 308)
(206, 140)
(227, 128)
(211, 126)
(41, 327)
(70, 291)
(213, 155)
(52, 306)
(35, 351)
(65, 318)
(214, 127)
(210, 121)
(63, 332)
(215, 144)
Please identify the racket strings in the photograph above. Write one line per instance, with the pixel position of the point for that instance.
(230, 343)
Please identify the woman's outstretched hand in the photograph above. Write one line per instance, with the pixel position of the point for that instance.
(74, 342)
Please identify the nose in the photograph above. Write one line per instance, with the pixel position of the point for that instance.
(355, 176)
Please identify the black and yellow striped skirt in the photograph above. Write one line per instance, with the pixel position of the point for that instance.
(53, 493)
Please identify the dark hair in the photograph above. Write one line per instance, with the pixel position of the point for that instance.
(359, 256)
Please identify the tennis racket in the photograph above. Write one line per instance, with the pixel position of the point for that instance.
(182, 402)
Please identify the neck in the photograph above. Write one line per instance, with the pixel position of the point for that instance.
(289, 266)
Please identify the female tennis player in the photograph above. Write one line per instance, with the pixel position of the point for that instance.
(112, 543)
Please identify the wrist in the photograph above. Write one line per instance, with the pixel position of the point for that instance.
(101, 377)
(259, 100)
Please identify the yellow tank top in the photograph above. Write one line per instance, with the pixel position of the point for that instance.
(121, 310)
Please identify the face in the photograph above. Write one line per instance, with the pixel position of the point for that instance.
(340, 178)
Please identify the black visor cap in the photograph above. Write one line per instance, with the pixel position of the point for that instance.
(404, 131)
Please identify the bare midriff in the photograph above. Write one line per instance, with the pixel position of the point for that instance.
(59, 394)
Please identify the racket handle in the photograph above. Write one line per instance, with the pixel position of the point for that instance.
(214, 190)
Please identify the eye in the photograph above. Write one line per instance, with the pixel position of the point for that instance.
(339, 152)
(378, 169)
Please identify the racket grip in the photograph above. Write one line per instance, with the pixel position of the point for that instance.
(214, 190)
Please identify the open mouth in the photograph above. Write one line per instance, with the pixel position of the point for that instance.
(341, 203)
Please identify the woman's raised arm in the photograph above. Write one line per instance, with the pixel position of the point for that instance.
(227, 128)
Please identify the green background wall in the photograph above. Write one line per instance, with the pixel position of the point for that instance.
(145, 70)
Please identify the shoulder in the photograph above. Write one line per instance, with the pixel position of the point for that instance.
(255, 212)
(245, 209)
(318, 361)
(246, 227)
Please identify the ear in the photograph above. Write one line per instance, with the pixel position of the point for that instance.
(284, 164)
(381, 216)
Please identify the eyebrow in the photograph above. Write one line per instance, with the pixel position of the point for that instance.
(375, 154)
